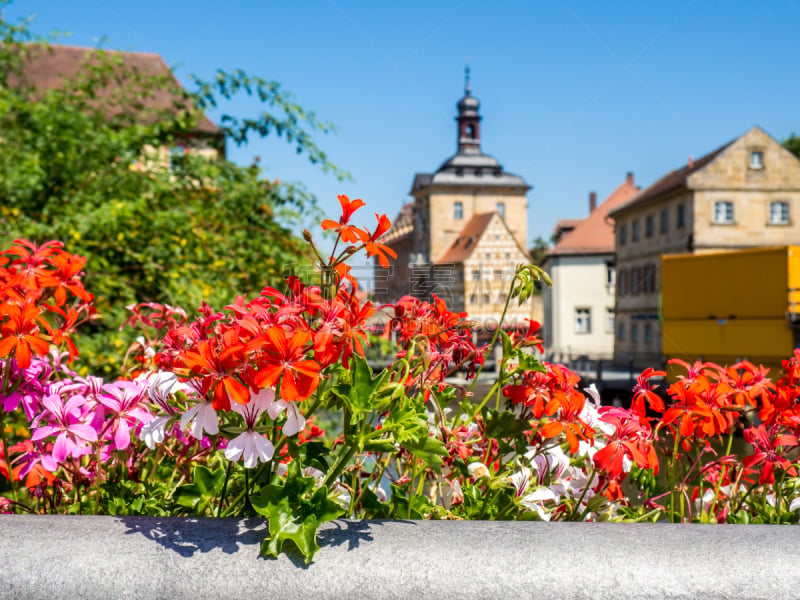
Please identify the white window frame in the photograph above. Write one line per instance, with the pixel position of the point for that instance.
(610, 321)
(723, 212)
(458, 210)
(757, 159)
(781, 215)
(583, 320)
(501, 209)
(611, 275)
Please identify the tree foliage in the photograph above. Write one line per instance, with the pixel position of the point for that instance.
(792, 144)
(539, 250)
(82, 163)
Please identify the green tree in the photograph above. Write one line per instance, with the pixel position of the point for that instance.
(201, 229)
(539, 250)
(792, 143)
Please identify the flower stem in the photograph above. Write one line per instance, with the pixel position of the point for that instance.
(4, 448)
(495, 336)
(224, 488)
(583, 495)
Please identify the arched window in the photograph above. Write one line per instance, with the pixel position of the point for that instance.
(470, 131)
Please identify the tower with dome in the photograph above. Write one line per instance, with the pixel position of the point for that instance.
(465, 229)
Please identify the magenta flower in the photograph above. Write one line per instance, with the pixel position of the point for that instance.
(68, 424)
(30, 388)
(124, 400)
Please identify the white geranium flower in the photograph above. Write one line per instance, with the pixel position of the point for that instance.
(478, 470)
(201, 418)
(535, 501)
(154, 432)
(520, 480)
(162, 385)
(251, 445)
(295, 421)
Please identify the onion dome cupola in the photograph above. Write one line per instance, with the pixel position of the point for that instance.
(469, 166)
(469, 120)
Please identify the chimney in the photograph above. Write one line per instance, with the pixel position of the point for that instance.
(592, 201)
(691, 161)
(629, 177)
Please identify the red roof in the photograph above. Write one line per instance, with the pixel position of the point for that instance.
(48, 67)
(595, 233)
(465, 243)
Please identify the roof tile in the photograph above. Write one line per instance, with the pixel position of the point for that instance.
(48, 67)
(595, 234)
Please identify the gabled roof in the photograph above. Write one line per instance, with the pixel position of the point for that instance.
(467, 240)
(48, 67)
(671, 181)
(595, 234)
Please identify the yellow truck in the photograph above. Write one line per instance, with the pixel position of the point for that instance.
(728, 306)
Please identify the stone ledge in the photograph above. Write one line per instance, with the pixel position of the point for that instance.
(148, 557)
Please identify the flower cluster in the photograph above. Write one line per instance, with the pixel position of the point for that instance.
(35, 284)
(217, 414)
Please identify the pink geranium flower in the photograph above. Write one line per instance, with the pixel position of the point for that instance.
(124, 400)
(73, 435)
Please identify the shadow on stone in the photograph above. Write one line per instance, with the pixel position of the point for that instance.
(188, 536)
(337, 533)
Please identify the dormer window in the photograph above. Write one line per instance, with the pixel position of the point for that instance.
(756, 159)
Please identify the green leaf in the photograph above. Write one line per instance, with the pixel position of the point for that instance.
(361, 397)
(295, 511)
(206, 488)
(407, 423)
(504, 425)
(429, 450)
(529, 362)
(413, 507)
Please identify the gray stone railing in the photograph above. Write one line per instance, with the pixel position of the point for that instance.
(145, 557)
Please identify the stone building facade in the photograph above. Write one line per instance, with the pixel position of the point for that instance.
(743, 195)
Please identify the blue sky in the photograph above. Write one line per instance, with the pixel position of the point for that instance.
(573, 93)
